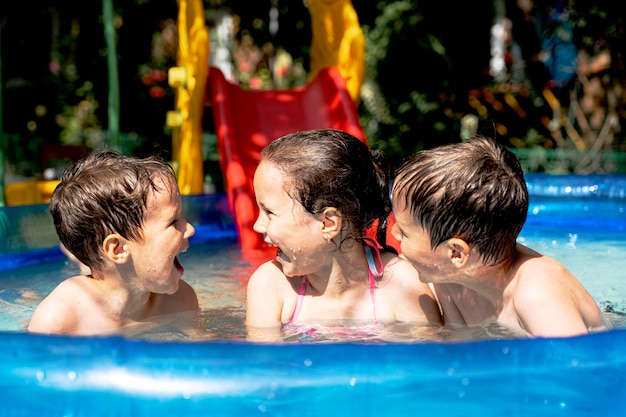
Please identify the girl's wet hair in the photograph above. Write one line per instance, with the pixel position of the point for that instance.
(331, 168)
(102, 194)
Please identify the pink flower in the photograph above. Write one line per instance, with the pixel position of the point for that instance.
(245, 67)
(256, 83)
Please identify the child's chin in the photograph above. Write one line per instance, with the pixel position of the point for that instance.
(173, 289)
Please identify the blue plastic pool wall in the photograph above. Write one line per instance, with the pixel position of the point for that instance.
(27, 233)
(104, 376)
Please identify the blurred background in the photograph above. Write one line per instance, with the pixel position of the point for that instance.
(544, 77)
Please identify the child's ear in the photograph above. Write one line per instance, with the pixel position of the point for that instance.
(331, 223)
(115, 248)
(458, 252)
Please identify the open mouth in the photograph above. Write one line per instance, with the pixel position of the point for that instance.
(178, 266)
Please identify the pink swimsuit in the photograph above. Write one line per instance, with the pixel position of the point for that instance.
(375, 271)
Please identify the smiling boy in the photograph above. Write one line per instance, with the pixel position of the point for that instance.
(122, 218)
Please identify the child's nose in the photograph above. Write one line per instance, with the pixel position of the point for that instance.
(259, 225)
(190, 230)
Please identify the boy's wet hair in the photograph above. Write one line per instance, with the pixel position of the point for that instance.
(101, 194)
(331, 168)
(474, 190)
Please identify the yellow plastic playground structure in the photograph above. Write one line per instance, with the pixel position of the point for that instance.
(189, 78)
(337, 41)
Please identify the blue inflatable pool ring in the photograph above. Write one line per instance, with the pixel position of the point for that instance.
(67, 376)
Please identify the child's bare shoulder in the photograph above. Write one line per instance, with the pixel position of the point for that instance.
(412, 299)
(541, 280)
(535, 269)
(266, 273)
(185, 299)
(400, 272)
(57, 312)
(270, 275)
(71, 290)
(393, 262)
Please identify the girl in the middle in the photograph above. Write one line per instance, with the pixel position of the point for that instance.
(319, 192)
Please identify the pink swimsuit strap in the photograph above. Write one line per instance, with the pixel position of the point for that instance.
(375, 271)
(296, 313)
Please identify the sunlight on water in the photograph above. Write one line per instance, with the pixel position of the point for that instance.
(218, 272)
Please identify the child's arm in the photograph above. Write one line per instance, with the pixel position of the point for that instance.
(264, 303)
(548, 315)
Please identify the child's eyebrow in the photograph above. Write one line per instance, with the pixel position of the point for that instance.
(263, 207)
(174, 214)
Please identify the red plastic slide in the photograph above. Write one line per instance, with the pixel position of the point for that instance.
(246, 121)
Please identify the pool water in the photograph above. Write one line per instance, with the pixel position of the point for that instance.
(582, 226)
(218, 272)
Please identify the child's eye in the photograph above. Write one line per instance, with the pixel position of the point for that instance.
(401, 232)
(263, 209)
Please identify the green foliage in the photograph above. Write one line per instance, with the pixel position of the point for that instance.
(56, 76)
(415, 77)
(423, 57)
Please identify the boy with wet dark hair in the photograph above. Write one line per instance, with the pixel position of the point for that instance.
(121, 218)
(459, 209)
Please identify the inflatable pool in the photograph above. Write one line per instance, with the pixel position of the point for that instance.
(579, 218)
(60, 376)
